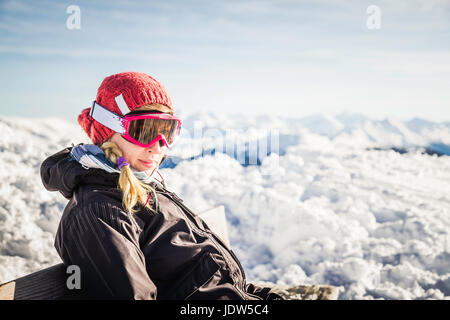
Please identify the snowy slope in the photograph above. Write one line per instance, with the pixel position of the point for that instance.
(29, 215)
(351, 130)
(326, 207)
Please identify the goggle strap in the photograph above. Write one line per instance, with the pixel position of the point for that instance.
(107, 118)
(122, 104)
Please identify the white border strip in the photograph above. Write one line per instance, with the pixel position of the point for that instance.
(122, 105)
(107, 118)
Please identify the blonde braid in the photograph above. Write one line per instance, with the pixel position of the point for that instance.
(134, 191)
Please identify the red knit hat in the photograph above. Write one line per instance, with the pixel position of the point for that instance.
(137, 89)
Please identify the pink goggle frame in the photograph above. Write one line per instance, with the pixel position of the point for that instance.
(121, 125)
(127, 120)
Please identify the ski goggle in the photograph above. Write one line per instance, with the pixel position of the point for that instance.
(143, 129)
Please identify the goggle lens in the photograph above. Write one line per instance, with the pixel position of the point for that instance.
(146, 130)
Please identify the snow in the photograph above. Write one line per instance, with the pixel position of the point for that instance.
(332, 203)
(29, 214)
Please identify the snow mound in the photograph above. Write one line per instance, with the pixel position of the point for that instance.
(29, 215)
(327, 208)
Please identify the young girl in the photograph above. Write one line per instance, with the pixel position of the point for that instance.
(129, 235)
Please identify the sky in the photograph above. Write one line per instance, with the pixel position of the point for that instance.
(279, 57)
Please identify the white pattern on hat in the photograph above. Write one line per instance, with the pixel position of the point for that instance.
(122, 104)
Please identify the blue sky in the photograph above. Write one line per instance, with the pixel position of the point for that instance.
(280, 57)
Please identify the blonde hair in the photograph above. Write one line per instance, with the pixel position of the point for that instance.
(135, 192)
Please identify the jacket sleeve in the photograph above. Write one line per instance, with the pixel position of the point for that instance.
(102, 240)
(262, 292)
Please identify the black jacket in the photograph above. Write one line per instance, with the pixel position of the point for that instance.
(169, 255)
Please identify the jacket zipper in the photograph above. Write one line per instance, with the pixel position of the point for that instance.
(213, 237)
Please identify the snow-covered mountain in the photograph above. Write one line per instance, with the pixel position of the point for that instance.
(208, 132)
(330, 202)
